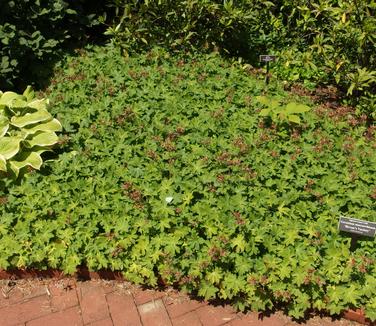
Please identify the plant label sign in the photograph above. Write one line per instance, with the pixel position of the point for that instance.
(267, 58)
(360, 227)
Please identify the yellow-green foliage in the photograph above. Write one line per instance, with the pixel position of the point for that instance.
(27, 129)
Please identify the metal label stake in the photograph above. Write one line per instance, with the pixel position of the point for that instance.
(267, 58)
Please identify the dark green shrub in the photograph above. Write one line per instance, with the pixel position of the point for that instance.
(33, 31)
(329, 42)
(179, 24)
(318, 42)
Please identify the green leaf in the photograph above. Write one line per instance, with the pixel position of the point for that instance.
(8, 97)
(263, 100)
(207, 290)
(296, 108)
(371, 309)
(3, 163)
(214, 277)
(30, 118)
(9, 146)
(239, 243)
(29, 93)
(52, 126)
(43, 139)
(17, 104)
(39, 105)
(294, 118)
(232, 284)
(264, 112)
(4, 125)
(32, 159)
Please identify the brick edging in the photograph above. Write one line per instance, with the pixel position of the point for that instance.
(83, 273)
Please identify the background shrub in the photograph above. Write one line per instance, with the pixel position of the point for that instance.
(176, 24)
(33, 31)
(329, 42)
(318, 42)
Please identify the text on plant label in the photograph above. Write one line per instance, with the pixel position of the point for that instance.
(267, 58)
(356, 226)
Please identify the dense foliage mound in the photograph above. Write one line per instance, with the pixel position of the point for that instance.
(33, 32)
(169, 173)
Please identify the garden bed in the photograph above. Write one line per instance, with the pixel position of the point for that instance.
(166, 171)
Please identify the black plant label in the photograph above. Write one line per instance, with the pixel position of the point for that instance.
(356, 226)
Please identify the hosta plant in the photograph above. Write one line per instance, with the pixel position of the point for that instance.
(27, 130)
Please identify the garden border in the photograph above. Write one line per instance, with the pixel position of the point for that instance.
(83, 273)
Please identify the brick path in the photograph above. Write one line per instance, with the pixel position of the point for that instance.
(67, 302)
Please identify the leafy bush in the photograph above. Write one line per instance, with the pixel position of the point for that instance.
(325, 42)
(31, 33)
(27, 130)
(169, 174)
(182, 24)
(330, 42)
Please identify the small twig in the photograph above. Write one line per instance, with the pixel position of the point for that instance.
(47, 290)
(5, 295)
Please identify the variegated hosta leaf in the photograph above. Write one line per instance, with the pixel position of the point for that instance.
(4, 125)
(27, 129)
(29, 93)
(9, 146)
(43, 139)
(32, 159)
(53, 125)
(7, 98)
(30, 118)
(38, 104)
(18, 103)
(3, 163)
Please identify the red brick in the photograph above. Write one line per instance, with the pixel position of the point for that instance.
(31, 291)
(63, 296)
(356, 315)
(12, 297)
(93, 302)
(71, 317)
(327, 321)
(255, 319)
(123, 309)
(108, 288)
(25, 311)
(21, 293)
(214, 316)
(246, 319)
(190, 319)
(277, 319)
(143, 296)
(103, 322)
(181, 306)
(154, 313)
